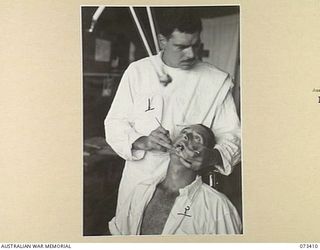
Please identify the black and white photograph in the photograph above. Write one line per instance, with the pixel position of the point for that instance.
(161, 92)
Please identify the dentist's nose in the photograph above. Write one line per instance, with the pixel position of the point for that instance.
(189, 53)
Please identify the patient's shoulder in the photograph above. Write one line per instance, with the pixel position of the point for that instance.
(214, 200)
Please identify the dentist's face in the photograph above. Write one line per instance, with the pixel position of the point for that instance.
(181, 50)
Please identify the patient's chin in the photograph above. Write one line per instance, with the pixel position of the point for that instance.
(185, 163)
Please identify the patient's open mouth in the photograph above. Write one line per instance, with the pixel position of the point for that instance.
(180, 147)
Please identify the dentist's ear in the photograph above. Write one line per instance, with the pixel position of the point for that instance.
(162, 41)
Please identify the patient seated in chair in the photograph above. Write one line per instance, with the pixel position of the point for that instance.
(177, 201)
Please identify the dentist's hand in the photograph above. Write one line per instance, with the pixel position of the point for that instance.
(158, 140)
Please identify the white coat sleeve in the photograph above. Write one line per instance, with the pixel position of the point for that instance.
(228, 224)
(226, 126)
(224, 219)
(120, 133)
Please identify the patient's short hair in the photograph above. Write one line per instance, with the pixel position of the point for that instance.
(212, 138)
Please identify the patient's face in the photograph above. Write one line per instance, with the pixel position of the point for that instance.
(192, 140)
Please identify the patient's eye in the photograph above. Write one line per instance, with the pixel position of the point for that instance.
(197, 139)
(184, 134)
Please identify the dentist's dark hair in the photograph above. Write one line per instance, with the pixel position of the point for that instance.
(184, 19)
